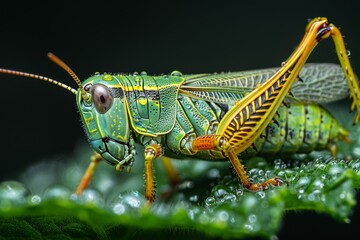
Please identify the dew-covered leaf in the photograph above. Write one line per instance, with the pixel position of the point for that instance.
(208, 201)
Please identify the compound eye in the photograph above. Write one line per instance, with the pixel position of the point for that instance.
(102, 98)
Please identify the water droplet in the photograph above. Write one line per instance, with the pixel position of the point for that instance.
(277, 161)
(281, 173)
(265, 205)
(239, 192)
(119, 208)
(35, 199)
(91, 196)
(290, 172)
(261, 179)
(127, 202)
(222, 216)
(250, 202)
(210, 201)
(204, 218)
(176, 73)
(186, 185)
(342, 195)
(57, 192)
(252, 218)
(229, 197)
(253, 172)
(218, 191)
(321, 166)
(303, 181)
(13, 191)
(260, 194)
(191, 214)
(214, 173)
(268, 173)
(318, 183)
(283, 165)
(335, 171)
(311, 197)
(194, 198)
(249, 227)
(143, 73)
(134, 201)
(317, 194)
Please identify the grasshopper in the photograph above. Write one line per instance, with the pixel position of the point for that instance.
(220, 117)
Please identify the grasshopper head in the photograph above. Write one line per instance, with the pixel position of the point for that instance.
(103, 109)
(102, 106)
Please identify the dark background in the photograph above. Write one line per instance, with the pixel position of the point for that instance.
(39, 120)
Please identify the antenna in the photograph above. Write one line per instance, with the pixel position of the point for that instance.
(85, 95)
(64, 66)
(31, 75)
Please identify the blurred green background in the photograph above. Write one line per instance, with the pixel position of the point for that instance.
(40, 121)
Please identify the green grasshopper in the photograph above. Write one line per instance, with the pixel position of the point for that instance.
(226, 116)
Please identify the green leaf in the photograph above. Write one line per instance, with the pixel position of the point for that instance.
(209, 201)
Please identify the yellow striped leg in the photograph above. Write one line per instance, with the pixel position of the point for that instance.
(348, 71)
(85, 180)
(151, 152)
(170, 170)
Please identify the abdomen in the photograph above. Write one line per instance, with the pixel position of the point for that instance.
(299, 128)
